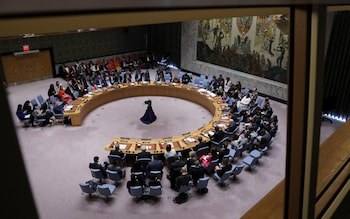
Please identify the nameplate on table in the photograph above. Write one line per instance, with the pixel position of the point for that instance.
(225, 116)
(189, 140)
(68, 107)
(122, 146)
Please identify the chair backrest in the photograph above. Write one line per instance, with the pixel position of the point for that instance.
(55, 114)
(202, 183)
(155, 173)
(224, 177)
(33, 101)
(86, 188)
(155, 190)
(115, 158)
(40, 99)
(97, 173)
(202, 151)
(260, 101)
(167, 77)
(113, 175)
(136, 191)
(185, 187)
(52, 99)
(237, 170)
(271, 140)
(106, 189)
(212, 165)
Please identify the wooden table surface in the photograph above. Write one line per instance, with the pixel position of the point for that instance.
(214, 104)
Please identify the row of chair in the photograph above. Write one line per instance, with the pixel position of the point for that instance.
(230, 174)
(112, 175)
(105, 190)
(251, 160)
(140, 193)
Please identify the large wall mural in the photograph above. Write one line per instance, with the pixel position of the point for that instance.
(257, 45)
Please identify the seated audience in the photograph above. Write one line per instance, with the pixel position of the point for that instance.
(183, 179)
(63, 96)
(186, 78)
(197, 171)
(154, 181)
(200, 144)
(169, 152)
(218, 134)
(192, 157)
(115, 167)
(135, 181)
(96, 165)
(116, 150)
(144, 153)
(154, 165)
(52, 91)
(175, 171)
(58, 107)
(223, 167)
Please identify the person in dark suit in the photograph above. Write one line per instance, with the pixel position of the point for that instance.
(154, 165)
(197, 171)
(200, 144)
(186, 78)
(183, 179)
(59, 107)
(223, 151)
(175, 171)
(96, 165)
(192, 157)
(116, 150)
(144, 153)
(218, 134)
(232, 126)
(225, 166)
(115, 167)
(134, 181)
(52, 91)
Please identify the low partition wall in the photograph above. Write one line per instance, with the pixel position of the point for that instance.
(333, 180)
(214, 104)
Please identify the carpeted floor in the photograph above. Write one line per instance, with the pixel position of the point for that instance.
(57, 160)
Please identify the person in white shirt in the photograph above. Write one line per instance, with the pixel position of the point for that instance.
(169, 152)
(244, 102)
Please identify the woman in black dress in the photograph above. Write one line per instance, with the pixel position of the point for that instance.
(149, 115)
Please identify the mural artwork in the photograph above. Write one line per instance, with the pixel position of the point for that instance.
(256, 45)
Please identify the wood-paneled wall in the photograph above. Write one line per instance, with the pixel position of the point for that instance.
(27, 67)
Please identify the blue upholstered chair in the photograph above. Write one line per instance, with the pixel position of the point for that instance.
(136, 191)
(237, 169)
(106, 190)
(155, 191)
(87, 188)
(222, 180)
(202, 184)
(97, 174)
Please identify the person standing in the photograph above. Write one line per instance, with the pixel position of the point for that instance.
(149, 116)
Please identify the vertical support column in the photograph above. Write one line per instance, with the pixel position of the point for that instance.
(304, 110)
(297, 111)
(317, 60)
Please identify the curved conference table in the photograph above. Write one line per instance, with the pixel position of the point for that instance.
(214, 104)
